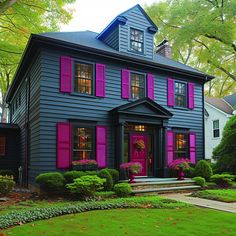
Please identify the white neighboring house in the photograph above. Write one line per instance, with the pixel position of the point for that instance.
(217, 113)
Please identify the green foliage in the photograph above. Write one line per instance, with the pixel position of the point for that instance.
(105, 194)
(104, 174)
(86, 186)
(203, 169)
(225, 152)
(122, 189)
(70, 176)
(19, 216)
(202, 35)
(189, 172)
(6, 184)
(114, 174)
(200, 181)
(223, 180)
(7, 172)
(52, 182)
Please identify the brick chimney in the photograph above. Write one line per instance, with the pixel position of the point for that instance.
(164, 49)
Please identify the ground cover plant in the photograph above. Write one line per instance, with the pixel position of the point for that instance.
(223, 195)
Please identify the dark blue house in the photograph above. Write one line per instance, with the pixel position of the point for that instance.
(108, 97)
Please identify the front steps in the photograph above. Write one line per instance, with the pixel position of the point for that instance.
(145, 186)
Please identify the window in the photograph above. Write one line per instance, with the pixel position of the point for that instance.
(137, 85)
(216, 129)
(136, 40)
(181, 145)
(180, 94)
(83, 143)
(2, 145)
(83, 78)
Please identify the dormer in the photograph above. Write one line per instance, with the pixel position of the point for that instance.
(131, 32)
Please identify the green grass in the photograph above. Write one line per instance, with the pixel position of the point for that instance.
(184, 221)
(223, 195)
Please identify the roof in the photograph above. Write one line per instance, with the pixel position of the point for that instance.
(231, 99)
(220, 104)
(89, 39)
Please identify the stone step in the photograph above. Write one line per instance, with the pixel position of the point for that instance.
(165, 190)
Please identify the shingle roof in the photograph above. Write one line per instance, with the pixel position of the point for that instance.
(89, 39)
(231, 99)
(220, 104)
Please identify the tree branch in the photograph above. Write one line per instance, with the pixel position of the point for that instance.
(3, 50)
(6, 4)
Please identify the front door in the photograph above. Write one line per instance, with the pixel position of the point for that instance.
(138, 151)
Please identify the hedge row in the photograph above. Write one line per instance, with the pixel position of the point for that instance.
(25, 216)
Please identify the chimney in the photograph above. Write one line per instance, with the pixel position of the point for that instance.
(164, 49)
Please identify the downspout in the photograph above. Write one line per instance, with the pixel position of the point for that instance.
(203, 118)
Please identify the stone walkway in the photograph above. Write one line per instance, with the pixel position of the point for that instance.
(217, 205)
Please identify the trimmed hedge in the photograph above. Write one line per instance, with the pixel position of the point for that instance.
(6, 184)
(25, 216)
(200, 181)
(104, 174)
(203, 169)
(122, 189)
(114, 174)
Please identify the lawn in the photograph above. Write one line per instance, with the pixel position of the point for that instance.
(184, 221)
(223, 195)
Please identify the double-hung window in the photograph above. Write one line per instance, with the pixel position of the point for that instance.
(83, 78)
(136, 40)
(181, 145)
(180, 94)
(137, 85)
(83, 143)
(216, 129)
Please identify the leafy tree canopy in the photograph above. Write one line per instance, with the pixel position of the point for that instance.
(203, 35)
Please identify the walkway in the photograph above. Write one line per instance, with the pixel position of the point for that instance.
(221, 206)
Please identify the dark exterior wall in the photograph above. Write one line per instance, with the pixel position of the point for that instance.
(112, 39)
(136, 20)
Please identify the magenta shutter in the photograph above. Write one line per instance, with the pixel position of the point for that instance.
(125, 83)
(170, 146)
(150, 86)
(191, 95)
(170, 93)
(66, 75)
(100, 80)
(101, 146)
(192, 147)
(63, 145)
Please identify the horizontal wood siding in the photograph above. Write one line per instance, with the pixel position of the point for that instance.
(136, 20)
(112, 39)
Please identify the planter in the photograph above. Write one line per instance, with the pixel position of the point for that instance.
(85, 167)
(131, 178)
(180, 174)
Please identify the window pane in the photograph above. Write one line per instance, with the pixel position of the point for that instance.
(180, 94)
(216, 124)
(136, 40)
(181, 145)
(83, 78)
(137, 85)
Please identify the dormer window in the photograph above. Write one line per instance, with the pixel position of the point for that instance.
(136, 40)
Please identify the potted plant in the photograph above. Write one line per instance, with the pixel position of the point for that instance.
(131, 168)
(180, 165)
(84, 165)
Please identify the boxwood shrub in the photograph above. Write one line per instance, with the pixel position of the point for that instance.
(114, 174)
(203, 169)
(6, 184)
(200, 181)
(104, 174)
(122, 189)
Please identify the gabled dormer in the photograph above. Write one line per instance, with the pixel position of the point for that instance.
(131, 32)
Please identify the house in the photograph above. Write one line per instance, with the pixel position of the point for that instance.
(217, 113)
(87, 95)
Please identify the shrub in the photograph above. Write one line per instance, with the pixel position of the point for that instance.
(104, 174)
(7, 172)
(114, 174)
(86, 186)
(223, 180)
(122, 189)
(91, 172)
(200, 181)
(203, 169)
(6, 184)
(71, 175)
(52, 182)
(189, 172)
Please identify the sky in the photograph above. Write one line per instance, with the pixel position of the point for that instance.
(95, 15)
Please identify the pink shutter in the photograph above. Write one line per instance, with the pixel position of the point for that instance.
(125, 83)
(192, 147)
(170, 93)
(170, 146)
(63, 145)
(190, 95)
(101, 146)
(66, 74)
(150, 86)
(100, 80)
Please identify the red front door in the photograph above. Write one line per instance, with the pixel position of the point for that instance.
(138, 151)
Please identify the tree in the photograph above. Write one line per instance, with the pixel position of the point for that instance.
(18, 19)
(203, 35)
(225, 152)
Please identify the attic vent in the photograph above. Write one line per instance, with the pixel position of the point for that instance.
(164, 49)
